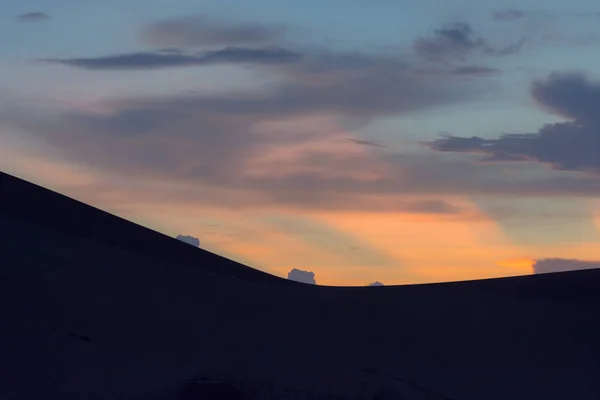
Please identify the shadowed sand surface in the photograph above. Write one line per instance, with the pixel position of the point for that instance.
(95, 307)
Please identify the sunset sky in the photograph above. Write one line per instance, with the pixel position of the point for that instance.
(389, 140)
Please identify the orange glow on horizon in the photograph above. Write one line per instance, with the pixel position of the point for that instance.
(524, 265)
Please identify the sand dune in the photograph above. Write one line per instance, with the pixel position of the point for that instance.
(95, 307)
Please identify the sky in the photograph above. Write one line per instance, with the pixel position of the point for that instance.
(390, 141)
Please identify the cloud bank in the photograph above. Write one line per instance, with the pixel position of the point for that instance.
(171, 59)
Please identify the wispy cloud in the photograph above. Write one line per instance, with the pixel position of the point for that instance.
(365, 142)
(172, 59)
(453, 41)
(433, 207)
(33, 17)
(508, 15)
(476, 70)
(457, 42)
(200, 31)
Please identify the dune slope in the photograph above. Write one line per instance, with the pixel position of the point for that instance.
(90, 311)
(29, 202)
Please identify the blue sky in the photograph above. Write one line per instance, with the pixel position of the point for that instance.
(255, 114)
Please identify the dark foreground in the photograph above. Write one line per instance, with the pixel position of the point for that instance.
(95, 307)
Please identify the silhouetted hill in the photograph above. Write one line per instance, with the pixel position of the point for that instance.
(28, 202)
(94, 307)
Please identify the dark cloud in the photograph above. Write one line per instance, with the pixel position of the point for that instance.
(450, 42)
(376, 283)
(570, 95)
(189, 240)
(561, 265)
(302, 276)
(508, 15)
(33, 17)
(476, 70)
(573, 145)
(198, 31)
(170, 59)
(456, 42)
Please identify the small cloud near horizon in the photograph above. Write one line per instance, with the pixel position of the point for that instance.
(550, 265)
(302, 276)
(194, 241)
(376, 283)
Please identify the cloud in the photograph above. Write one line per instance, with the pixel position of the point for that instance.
(364, 142)
(376, 283)
(508, 15)
(560, 265)
(189, 240)
(33, 17)
(451, 41)
(198, 31)
(571, 145)
(432, 207)
(510, 49)
(458, 41)
(302, 276)
(171, 59)
(570, 95)
(476, 70)
(350, 87)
